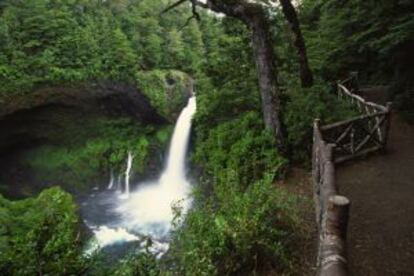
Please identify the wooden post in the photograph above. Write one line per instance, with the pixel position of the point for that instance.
(316, 173)
(329, 171)
(316, 150)
(329, 185)
(333, 260)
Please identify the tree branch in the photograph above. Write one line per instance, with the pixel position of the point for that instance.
(194, 4)
(290, 14)
(173, 6)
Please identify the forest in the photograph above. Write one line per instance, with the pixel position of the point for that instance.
(92, 92)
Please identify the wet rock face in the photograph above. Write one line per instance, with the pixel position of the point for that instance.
(48, 114)
(107, 98)
(115, 99)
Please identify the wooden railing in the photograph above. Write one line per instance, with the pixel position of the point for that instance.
(331, 209)
(361, 135)
(333, 144)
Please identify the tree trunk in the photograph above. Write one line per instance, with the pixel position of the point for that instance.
(267, 75)
(288, 10)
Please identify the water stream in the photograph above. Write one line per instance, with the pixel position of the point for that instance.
(128, 175)
(146, 211)
(111, 180)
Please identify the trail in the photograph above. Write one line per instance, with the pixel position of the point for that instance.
(381, 189)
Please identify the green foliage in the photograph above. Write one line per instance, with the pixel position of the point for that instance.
(68, 41)
(40, 236)
(240, 231)
(163, 135)
(303, 107)
(228, 144)
(142, 263)
(101, 146)
(374, 38)
(166, 90)
(357, 35)
(241, 222)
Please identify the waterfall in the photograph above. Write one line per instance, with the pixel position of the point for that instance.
(148, 211)
(111, 180)
(128, 173)
(119, 183)
(175, 170)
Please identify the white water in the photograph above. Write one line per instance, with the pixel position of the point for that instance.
(128, 174)
(119, 184)
(105, 236)
(111, 180)
(148, 210)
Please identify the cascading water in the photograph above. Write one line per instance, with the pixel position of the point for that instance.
(148, 210)
(128, 174)
(111, 180)
(119, 184)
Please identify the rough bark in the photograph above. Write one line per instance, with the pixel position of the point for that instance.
(267, 74)
(289, 12)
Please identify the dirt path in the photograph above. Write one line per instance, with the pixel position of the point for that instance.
(381, 189)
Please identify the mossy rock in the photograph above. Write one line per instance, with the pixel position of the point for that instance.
(168, 90)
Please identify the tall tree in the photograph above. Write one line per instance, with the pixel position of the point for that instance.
(255, 18)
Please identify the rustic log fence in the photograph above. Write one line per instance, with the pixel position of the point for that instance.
(333, 144)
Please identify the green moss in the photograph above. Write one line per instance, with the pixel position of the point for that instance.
(163, 135)
(165, 89)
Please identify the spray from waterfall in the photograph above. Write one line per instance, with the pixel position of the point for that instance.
(148, 210)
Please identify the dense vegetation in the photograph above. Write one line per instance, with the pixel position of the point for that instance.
(241, 220)
(40, 235)
(77, 165)
(56, 41)
(373, 38)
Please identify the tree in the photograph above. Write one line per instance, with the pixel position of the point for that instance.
(255, 18)
(174, 49)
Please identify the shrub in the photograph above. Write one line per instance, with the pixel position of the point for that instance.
(304, 105)
(241, 146)
(239, 231)
(40, 236)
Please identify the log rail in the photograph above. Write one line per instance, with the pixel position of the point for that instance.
(334, 144)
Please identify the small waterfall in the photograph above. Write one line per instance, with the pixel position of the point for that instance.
(128, 173)
(119, 183)
(111, 180)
